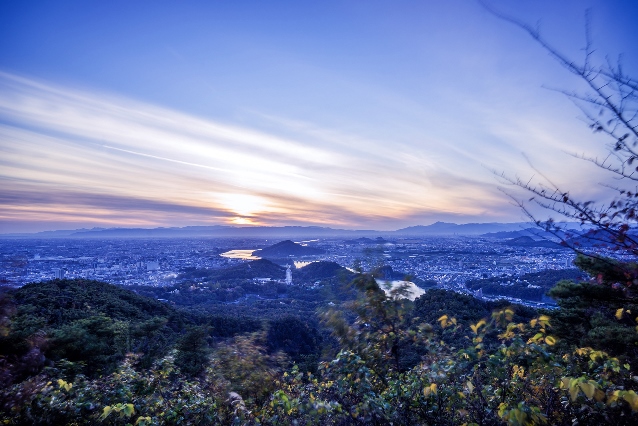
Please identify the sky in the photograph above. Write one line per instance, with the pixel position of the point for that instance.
(350, 114)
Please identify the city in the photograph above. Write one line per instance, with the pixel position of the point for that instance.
(444, 262)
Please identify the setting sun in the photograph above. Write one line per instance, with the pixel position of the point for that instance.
(244, 205)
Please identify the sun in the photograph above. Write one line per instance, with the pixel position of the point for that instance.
(243, 205)
(242, 221)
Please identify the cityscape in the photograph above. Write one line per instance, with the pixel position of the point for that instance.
(447, 262)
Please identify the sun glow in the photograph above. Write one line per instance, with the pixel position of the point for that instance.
(243, 205)
(243, 221)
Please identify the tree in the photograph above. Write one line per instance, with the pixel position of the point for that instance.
(598, 313)
(192, 351)
(610, 107)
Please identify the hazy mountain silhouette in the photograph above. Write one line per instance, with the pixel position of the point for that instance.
(287, 248)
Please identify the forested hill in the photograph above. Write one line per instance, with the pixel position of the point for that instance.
(62, 301)
(261, 268)
(322, 270)
(88, 321)
(287, 248)
(264, 268)
(91, 326)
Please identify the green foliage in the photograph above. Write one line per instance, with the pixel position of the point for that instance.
(296, 339)
(609, 272)
(523, 381)
(247, 367)
(192, 352)
(588, 312)
(445, 359)
(88, 321)
(155, 396)
(377, 334)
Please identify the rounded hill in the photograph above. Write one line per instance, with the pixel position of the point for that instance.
(287, 248)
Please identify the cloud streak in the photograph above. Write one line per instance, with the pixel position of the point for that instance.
(76, 154)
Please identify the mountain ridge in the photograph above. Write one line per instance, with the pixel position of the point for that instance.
(291, 232)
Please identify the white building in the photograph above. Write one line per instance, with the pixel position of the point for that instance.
(288, 276)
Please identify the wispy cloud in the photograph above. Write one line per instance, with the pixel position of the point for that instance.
(72, 153)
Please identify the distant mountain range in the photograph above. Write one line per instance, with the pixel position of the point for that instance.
(217, 231)
(446, 228)
(494, 229)
(535, 233)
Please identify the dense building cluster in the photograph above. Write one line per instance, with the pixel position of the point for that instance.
(449, 262)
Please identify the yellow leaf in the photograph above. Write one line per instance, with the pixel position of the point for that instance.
(588, 388)
(535, 338)
(501, 409)
(470, 386)
(105, 413)
(128, 410)
(573, 392)
(632, 399)
(478, 325)
(619, 313)
(613, 397)
(550, 340)
(533, 322)
(443, 321)
(427, 391)
(65, 385)
(564, 382)
(582, 351)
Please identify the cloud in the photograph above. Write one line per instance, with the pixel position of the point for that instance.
(78, 154)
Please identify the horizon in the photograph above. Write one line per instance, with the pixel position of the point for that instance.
(232, 226)
(357, 116)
